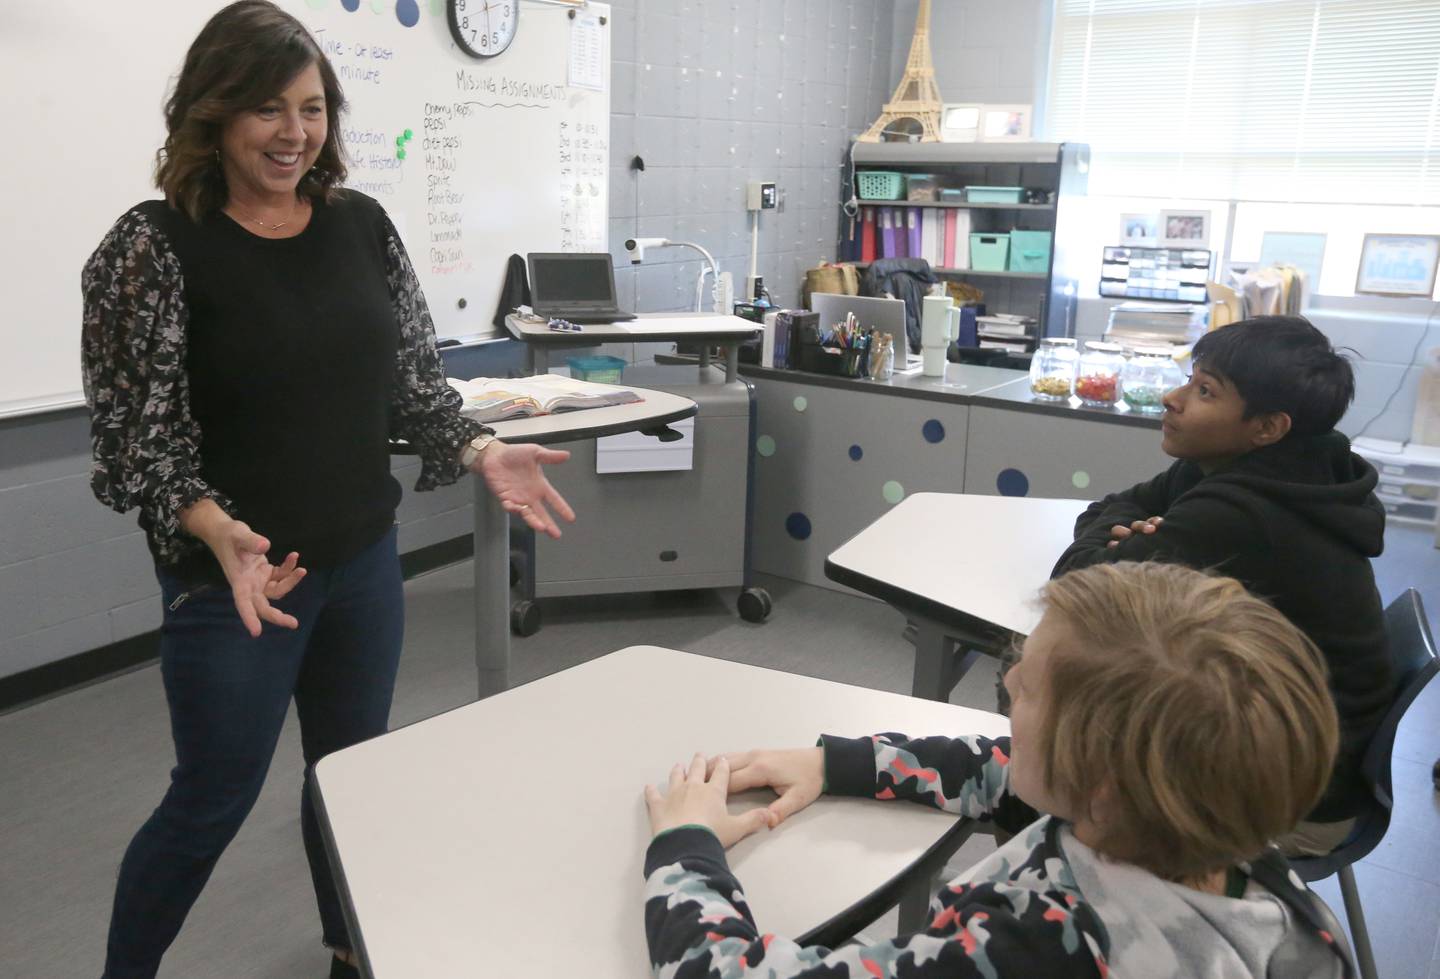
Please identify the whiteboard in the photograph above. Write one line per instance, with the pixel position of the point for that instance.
(505, 155)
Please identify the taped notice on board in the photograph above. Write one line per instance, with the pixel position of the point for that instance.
(587, 51)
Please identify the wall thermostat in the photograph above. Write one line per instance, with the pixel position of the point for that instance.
(761, 195)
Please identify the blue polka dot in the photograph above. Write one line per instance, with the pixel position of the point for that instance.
(933, 431)
(408, 12)
(1012, 482)
(797, 525)
(856, 452)
(350, 5)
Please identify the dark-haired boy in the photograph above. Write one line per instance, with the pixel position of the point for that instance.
(1266, 491)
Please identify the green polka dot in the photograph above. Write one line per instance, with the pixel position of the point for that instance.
(378, 6)
(437, 7)
(316, 4)
(893, 492)
(800, 403)
(1081, 479)
(765, 445)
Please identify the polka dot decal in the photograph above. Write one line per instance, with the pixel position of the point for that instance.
(893, 492)
(856, 453)
(800, 403)
(765, 445)
(797, 525)
(407, 12)
(933, 431)
(316, 4)
(377, 6)
(1012, 482)
(350, 5)
(1081, 479)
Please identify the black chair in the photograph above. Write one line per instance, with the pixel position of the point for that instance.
(1412, 654)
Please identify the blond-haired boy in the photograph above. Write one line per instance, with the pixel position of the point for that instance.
(1166, 727)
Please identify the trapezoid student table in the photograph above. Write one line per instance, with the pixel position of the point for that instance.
(507, 837)
(492, 523)
(964, 568)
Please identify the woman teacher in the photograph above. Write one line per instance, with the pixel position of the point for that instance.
(251, 345)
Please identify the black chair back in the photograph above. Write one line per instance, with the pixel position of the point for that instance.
(1413, 659)
(1414, 664)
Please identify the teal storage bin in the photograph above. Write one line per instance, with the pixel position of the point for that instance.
(601, 370)
(880, 185)
(994, 195)
(1029, 251)
(989, 252)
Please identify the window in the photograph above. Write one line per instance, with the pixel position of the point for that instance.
(1317, 101)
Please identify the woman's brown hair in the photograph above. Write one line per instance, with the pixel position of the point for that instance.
(245, 55)
(1203, 713)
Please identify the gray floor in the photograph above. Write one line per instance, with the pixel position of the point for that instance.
(80, 772)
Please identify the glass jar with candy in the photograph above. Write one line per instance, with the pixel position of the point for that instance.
(1052, 369)
(1097, 380)
(1146, 376)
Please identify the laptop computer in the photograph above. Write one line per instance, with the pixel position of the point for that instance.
(574, 286)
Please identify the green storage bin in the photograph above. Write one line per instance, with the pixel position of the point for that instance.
(880, 185)
(989, 252)
(601, 370)
(1029, 251)
(994, 195)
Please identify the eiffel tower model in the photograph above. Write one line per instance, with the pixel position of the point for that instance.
(916, 99)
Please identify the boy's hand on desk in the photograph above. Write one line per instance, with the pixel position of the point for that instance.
(691, 799)
(1121, 532)
(796, 774)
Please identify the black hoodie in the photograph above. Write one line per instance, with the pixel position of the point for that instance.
(1297, 523)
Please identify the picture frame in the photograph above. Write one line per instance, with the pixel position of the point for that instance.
(1005, 123)
(1398, 265)
(960, 122)
(1185, 229)
(1140, 230)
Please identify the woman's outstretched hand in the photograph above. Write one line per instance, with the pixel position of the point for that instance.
(254, 581)
(513, 474)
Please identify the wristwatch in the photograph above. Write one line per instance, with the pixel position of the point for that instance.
(472, 449)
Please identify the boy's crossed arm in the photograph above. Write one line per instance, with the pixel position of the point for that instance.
(1200, 530)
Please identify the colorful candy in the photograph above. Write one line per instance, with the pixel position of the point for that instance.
(1098, 388)
(1051, 387)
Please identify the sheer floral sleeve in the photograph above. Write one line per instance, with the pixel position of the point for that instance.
(424, 409)
(144, 440)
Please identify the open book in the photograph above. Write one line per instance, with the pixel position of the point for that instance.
(494, 399)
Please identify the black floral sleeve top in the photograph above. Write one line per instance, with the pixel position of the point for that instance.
(144, 438)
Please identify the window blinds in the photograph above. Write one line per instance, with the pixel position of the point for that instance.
(1260, 100)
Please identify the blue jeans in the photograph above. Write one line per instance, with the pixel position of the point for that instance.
(228, 696)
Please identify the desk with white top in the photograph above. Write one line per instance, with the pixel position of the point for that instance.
(721, 329)
(963, 568)
(507, 837)
(492, 523)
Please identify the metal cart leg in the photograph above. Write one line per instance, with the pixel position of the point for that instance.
(492, 592)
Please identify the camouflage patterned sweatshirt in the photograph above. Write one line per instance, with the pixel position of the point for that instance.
(1020, 912)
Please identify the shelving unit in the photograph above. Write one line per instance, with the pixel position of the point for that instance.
(1057, 168)
(1409, 486)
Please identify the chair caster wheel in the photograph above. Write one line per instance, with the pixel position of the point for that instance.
(754, 605)
(524, 618)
